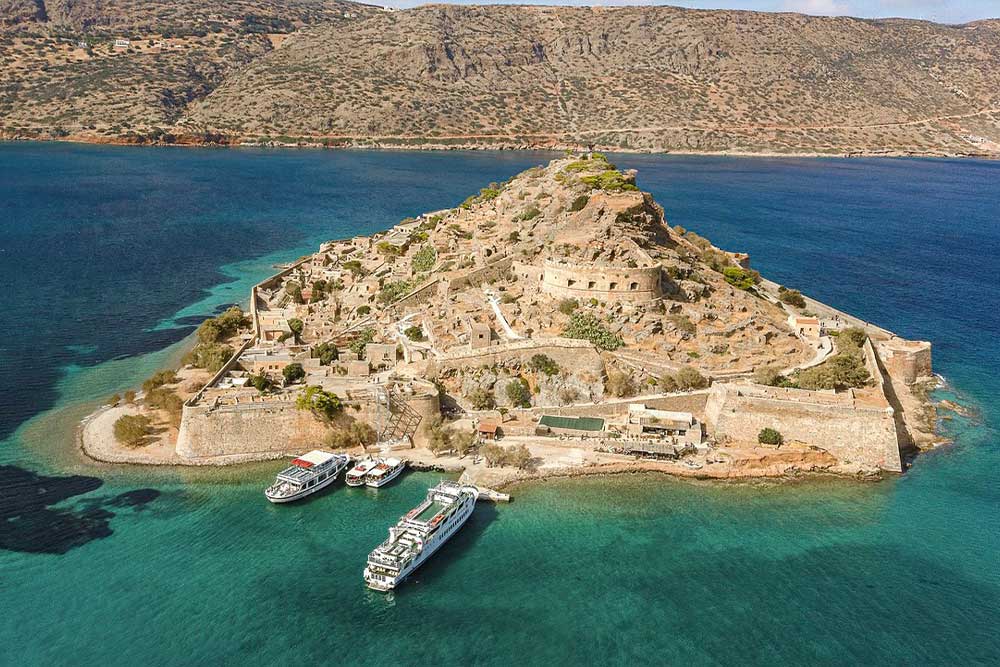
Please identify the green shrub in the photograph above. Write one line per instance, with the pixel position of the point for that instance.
(841, 371)
(424, 259)
(210, 356)
(579, 203)
(363, 310)
(480, 399)
(609, 181)
(852, 336)
(293, 373)
(414, 333)
(737, 277)
(324, 404)
(518, 394)
(543, 363)
(261, 383)
(394, 291)
(326, 353)
(768, 375)
(358, 345)
(792, 297)
(529, 214)
(586, 326)
(160, 378)
(770, 436)
(131, 430)
(684, 324)
(567, 306)
(689, 378)
(354, 266)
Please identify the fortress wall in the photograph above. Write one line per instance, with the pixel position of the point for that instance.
(693, 402)
(571, 281)
(906, 360)
(854, 435)
(486, 274)
(418, 296)
(567, 352)
(271, 428)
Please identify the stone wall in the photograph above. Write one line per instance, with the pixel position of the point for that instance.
(693, 402)
(272, 428)
(906, 360)
(487, 274)
(852, 433)
(567, 352)
(605, 283)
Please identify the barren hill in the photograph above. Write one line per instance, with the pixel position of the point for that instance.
(658, 78)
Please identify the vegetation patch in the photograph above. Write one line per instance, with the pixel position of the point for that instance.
(586, 326)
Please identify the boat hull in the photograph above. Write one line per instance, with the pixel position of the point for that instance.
(376, 483)
(277, 500)
(427, 552)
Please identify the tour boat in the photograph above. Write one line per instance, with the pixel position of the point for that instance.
(307, 474)
(384, 472)
(356, 475)
(419, 534)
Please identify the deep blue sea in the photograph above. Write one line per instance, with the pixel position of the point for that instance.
(109, 256)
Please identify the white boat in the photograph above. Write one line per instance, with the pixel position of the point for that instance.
(385, 471)
(419, 534)
(307, 474)
(356, 475)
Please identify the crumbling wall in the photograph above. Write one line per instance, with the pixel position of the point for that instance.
(854, 434)
(272, 428)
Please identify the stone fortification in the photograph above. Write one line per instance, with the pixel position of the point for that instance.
(247, 430)
(566, 280)
(860, 434)
(906, 360)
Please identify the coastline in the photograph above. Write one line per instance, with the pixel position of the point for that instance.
(389, 146)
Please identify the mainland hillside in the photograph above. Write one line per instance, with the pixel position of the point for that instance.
(647, 78)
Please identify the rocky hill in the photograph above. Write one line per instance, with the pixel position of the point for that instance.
(646, 78)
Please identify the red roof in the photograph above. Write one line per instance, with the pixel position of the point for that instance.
(487, 427)
(302, 463)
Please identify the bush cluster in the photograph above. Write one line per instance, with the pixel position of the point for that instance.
(586, 326)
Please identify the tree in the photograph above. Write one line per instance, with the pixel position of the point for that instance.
(114, 400)
(667, 384)
(297, 326)
(689, 378)
(414, 333)
(358, 345)
(164, 399)
(768, 375)
(324, 404)
(480, 399)
(619, 384)
(770, 436)
(841, 371)
(294, 291)
(327, 353)
(293, 373)
(356, 434)
(543, 364)
(494, 454)
(261, 382)
(130, 396)
(518, 456)
(160, 378)
(737, 277)
(209, 331)
(131, 430)
(854, 336)
(518, 394)
(210, 356)
(463, 442)
(423, 259)
(792, 297)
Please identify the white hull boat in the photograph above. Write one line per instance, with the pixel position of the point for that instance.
(308, 474)
(419, 534)
(384, 472)
(356, 475)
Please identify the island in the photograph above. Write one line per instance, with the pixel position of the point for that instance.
(552, 324)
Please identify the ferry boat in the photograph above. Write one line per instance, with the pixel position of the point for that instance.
(419, 534)
(356, 475)
(384, 472)
(307, 474)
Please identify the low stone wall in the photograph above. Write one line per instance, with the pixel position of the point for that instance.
(269, 428)
(862, 435)
(693, 402)
(566, 352)
(486, 274)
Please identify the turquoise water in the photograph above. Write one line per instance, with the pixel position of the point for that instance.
(103, 565)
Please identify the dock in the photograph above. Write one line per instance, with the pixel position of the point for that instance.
(493, 496)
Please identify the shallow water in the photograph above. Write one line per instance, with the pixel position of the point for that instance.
(112, 254)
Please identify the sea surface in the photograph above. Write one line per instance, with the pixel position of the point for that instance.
(109, 256)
